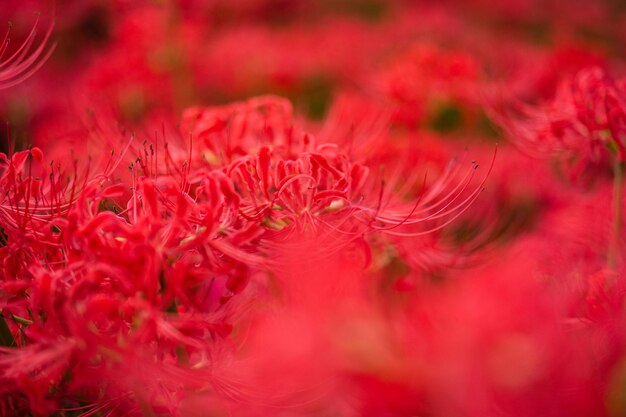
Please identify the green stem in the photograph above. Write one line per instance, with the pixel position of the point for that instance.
(618, 200)
(22, 320)
(6, 337)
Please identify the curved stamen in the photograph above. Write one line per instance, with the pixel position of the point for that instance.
(25, 61)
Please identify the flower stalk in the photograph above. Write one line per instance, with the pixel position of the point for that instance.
(613, 258)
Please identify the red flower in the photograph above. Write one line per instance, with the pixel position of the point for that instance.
(584, 122)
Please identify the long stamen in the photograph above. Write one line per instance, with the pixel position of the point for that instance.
(24, 62)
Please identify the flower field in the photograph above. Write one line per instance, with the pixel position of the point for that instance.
(335, 208)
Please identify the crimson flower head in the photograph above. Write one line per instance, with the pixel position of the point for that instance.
(585, 122)
(286, 179)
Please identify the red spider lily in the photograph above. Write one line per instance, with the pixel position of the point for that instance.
(36, 199)
(293, 186)
(149, 273)
(254, 261)
(584, 121)
(165, 255)
(427, 77)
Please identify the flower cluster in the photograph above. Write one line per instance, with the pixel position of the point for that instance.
(311, 208)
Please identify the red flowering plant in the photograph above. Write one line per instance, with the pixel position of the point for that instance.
(167, 251)
(98, 267)
(583, 122)
(428, 85)
(584, 126)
